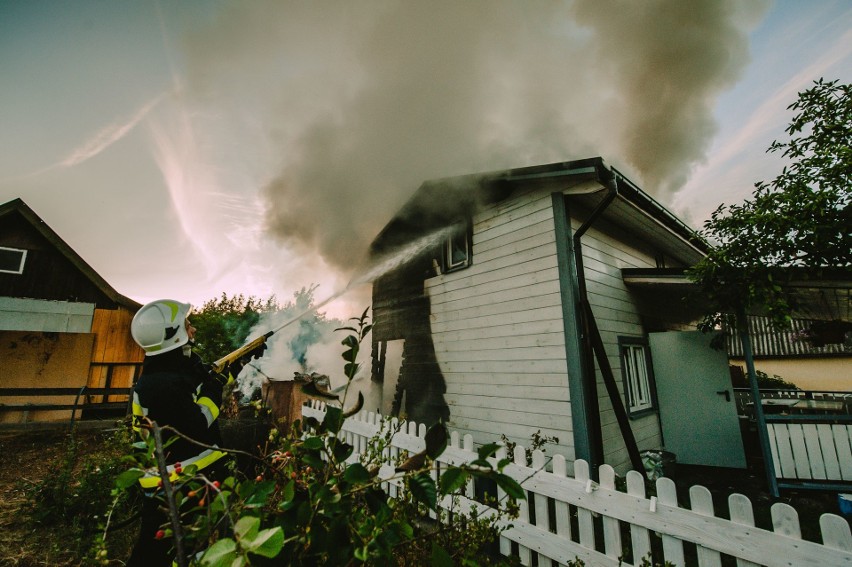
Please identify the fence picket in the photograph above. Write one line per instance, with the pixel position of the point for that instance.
(470, 489)
(505, 542)
(611, 529)
(672, 546)
(701, 502)
(800, 451)
(835, 532)
(520, 458)
(585, 527)
(741, 513)
(640, 537)
(563, 513)
(829, 451)
(785, 520)
(809, 430)
(542, 515)
(842, 435)
(785, 450)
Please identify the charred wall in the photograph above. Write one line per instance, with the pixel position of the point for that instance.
(401, 311)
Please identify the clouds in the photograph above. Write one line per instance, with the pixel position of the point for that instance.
(795, 47)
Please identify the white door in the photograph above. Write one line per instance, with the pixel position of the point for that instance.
(698, 414)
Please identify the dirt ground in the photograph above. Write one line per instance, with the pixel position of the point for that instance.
(27, 458)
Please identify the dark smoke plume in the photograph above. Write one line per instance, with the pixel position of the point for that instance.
(362, 101)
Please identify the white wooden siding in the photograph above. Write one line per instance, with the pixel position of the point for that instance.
(616, 315)
(498, 331)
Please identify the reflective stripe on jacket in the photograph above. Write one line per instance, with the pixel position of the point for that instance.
(151, 479)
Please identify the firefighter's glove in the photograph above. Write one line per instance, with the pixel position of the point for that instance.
(212, 385)
(255, 353)
(237, 366)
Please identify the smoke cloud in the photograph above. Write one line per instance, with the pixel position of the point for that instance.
(357, 103)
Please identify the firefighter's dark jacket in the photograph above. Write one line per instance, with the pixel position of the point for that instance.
(178, 391)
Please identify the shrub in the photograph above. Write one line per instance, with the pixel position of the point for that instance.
(312, 504)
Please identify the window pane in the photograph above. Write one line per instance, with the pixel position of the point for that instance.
(636, 378)
(12, 260)
(457, 251)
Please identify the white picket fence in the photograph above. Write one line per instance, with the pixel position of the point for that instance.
(566, 518)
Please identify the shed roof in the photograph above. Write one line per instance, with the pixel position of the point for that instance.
(442, 202)
(18, 206)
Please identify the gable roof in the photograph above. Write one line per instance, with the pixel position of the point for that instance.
(18, 206)
(442, 202)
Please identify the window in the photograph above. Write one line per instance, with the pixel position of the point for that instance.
(638, 376)
(457, 250)
(12, 260)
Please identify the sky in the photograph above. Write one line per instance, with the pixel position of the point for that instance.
(189, 149)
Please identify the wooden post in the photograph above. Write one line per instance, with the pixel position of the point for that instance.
(762, 433)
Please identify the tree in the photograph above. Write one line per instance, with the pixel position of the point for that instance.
(798, 220)
(223, 324)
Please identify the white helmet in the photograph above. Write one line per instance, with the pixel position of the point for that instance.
(159, 327)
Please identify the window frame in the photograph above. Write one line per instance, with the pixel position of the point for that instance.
(21, 264)
(463, 233)
(627, 349)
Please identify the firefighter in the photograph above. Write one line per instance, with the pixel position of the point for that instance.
(176, 389)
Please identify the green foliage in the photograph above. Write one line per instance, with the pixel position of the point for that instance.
(312, 504)
(800, 219)
(223, 325)
(75, 501)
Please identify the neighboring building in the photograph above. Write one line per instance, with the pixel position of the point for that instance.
(61, 324)
(789, 355)
(522, 309)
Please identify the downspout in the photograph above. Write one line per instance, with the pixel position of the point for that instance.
(593, 344)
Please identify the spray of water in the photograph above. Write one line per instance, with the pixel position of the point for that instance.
(377, 268)
(370, 270)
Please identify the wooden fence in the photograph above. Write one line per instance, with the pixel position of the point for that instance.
(810, 435)
(811, 447)
(572, 517)
(53, 406)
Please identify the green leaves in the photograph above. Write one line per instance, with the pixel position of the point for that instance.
(128, 478)
(436, 440)
(353, 343)
(423, 489)
(798, 220)
(452, 479)
(249, 539)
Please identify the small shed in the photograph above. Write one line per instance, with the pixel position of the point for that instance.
(64, 331)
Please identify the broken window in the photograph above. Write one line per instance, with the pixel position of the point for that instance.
(12, 260)
(457, 250)
(637, 374)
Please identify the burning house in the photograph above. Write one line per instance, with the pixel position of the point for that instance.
(527, 310)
